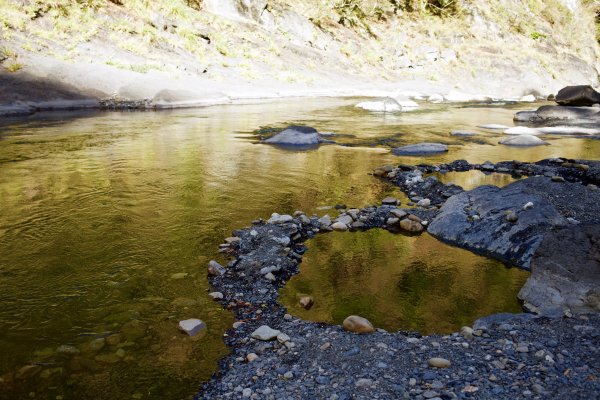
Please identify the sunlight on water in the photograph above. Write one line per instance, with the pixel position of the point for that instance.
(103, 215)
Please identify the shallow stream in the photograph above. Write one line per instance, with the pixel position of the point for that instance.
(107, 222)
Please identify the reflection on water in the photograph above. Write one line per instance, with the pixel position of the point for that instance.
(103, 215)
(471, 179)
(409, 283)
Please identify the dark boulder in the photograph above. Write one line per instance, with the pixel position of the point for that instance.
(578, 96)
(565, 272)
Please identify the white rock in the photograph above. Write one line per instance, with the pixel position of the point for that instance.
(463, 133)
(381, 105)
(424, 203)
(280, 219)
(192, 326)
(493, 126)
(528, 206)
(435, 98)
(270, 277)
(265, 333)
(251, 357)
(215, 269)
(522, 130)
(568, 130)
(325, 221)
(523, 140)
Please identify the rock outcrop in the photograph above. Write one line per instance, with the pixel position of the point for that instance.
(565, 279)
(582, 95)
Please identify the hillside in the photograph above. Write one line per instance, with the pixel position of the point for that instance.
(176, 52)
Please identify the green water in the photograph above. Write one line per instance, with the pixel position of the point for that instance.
(100, 213)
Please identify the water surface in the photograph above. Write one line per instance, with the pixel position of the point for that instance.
(107, 221)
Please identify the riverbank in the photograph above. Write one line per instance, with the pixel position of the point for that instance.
(173, 54)
(500, 356)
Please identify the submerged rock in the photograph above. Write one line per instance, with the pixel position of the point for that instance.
(297, 136)
(565, 279)
(581, 95)
(463, 133)
(522, 130)
(420, 149)
(523, 140)
(388, 104)
(192, 326)
(493, 126)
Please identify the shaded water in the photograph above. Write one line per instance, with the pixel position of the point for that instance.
(102, 215)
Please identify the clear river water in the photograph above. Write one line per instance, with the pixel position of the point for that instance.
(107, 222)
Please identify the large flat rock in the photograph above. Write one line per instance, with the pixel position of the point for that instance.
(565, 272)
(478, 220)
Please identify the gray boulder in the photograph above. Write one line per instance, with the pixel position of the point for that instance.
(483, 220)
(420, 149)
(565, 112)
(299, 136)
(578, 96)
(565, 272)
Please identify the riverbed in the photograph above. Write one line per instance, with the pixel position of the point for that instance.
(107, 222)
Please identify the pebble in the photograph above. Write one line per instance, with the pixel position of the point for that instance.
(357, 324)
(528, 206)
(270, 277)
(466, 332)
(215, 269)
(512, 217)
(411, 226)
(247, 392)
(424, 203)
(558, 179)
(438, 362)
(265, 333)
(399, 213)
(251, 357)
(339, 226)
(216, 295)
(282, 338)
(364, 383)
(306, 302)
(391, 201)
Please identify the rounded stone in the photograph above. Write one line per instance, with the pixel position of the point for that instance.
(438, 362)
(357, 324)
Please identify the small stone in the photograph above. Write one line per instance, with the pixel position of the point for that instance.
(215, 269)
(288, 317)
(392, 221)
(216, 295)
(438, 362)
(430, 394)
(412, 382)
(68, 350)
(339, 226)
(528, 206)
(391, 201)
(306, 302)
(413, 340)
(192, 326)
(280, 219)
(232, 239)
(364, 383)
(591, 186)
(288, 375)
(282, 338)
(265, 333)
(557, 179)
(522, 349)
(411, 226)
(325, 346)
(247, 392)
(399, 213)
(179, 275)
(466, 332)
(251, 357)
(357, 324)
(237, 324)
(424, 203)
(270, 277)
(512, 217)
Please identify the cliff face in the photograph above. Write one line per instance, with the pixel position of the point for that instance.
(189, 51)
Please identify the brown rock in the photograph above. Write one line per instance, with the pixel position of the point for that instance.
(306, 302)
(357, 324)
(409, 225)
